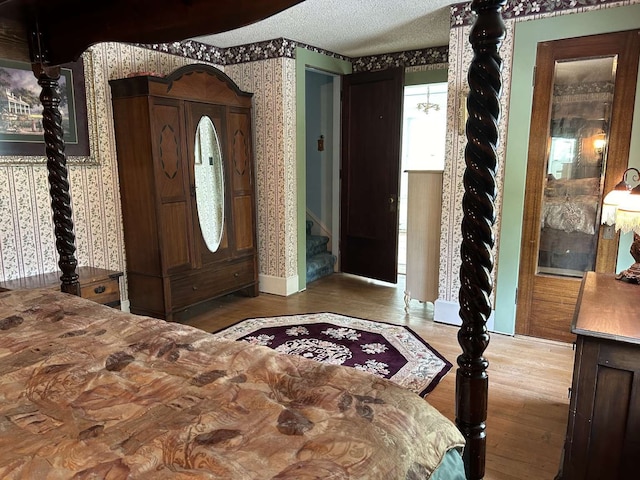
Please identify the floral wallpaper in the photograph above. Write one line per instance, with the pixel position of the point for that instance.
(460, 55)
(461, 14)
(26, 233)
(272, 82)
(27, 243)
(452, 187)
(267, 69)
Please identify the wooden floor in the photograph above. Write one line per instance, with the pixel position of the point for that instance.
(528, 378)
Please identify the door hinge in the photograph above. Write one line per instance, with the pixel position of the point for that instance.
(516, 295)
(533, 78)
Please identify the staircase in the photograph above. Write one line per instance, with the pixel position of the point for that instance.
(320, 261)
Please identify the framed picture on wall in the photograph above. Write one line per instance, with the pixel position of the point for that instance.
(21, 131)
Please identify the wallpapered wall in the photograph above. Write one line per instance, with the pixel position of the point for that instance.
(26, 232)
(273, 85)
(27, 244)
(460, 55)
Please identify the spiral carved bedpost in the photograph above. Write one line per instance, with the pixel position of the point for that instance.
(58, 178)
(477, 236)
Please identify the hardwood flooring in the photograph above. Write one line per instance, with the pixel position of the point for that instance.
(528, 377)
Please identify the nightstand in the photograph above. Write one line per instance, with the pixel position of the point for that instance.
(96, 284)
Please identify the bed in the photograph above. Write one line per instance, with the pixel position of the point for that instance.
(89, 392)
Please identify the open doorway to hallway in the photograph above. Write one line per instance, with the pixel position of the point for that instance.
(423, 144)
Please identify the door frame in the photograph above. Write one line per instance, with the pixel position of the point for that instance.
(518, 115)
(627, 43)
(331, 65)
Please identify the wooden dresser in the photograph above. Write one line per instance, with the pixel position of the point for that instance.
(97, 284)
(603, 432)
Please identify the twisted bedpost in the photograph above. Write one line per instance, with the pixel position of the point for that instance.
(58, 178)
(477, 235)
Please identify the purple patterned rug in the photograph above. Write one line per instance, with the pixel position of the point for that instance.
(389, 351)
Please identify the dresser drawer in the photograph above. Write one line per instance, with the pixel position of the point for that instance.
(106, 291)
(211, 281)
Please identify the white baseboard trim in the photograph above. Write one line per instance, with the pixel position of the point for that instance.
(449, 313)
(125, 306)
(278, 285)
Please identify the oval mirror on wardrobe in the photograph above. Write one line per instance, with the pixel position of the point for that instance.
(209, 180)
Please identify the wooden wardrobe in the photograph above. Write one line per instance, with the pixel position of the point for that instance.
(170, 267)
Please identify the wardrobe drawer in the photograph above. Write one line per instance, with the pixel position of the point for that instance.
(211, 281)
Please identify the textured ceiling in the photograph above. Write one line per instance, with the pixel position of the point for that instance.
(353, 28)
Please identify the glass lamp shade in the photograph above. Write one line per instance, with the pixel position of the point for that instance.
(627, 218)
(610, 205)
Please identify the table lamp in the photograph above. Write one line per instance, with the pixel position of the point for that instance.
(621, 207)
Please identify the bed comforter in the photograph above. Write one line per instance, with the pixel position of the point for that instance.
(87, 391)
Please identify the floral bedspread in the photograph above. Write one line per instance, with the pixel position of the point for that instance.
(87, 391)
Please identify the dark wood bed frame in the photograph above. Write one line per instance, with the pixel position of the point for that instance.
(48, 33)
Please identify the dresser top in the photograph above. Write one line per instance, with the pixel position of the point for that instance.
(608, 308)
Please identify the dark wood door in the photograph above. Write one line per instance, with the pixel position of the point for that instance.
(583, 93)
(370, 174)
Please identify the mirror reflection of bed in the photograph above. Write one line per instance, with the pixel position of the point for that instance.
(569, 225)
(578, 132)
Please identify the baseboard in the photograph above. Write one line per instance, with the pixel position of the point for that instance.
(125, 306)
(449, 313)
(278, 285)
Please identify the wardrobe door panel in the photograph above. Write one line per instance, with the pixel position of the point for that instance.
(239, 134)
(169, 153)
(174, 228)
(195, 112)
(172, 184)
(243, 212)
(240, 146)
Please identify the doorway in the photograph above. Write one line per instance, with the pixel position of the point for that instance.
(424, 129)
(322, 159)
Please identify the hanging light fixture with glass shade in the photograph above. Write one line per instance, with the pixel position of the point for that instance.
(621, 207)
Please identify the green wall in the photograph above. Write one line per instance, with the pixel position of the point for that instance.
(527, 36)
(304, 59)
(427, 76)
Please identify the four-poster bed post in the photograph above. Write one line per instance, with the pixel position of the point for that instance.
(58, 176)
(477, 235)
(479, 178)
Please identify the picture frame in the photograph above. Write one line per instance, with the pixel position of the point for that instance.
(21, 133)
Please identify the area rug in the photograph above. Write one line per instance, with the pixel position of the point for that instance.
(389, 351)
